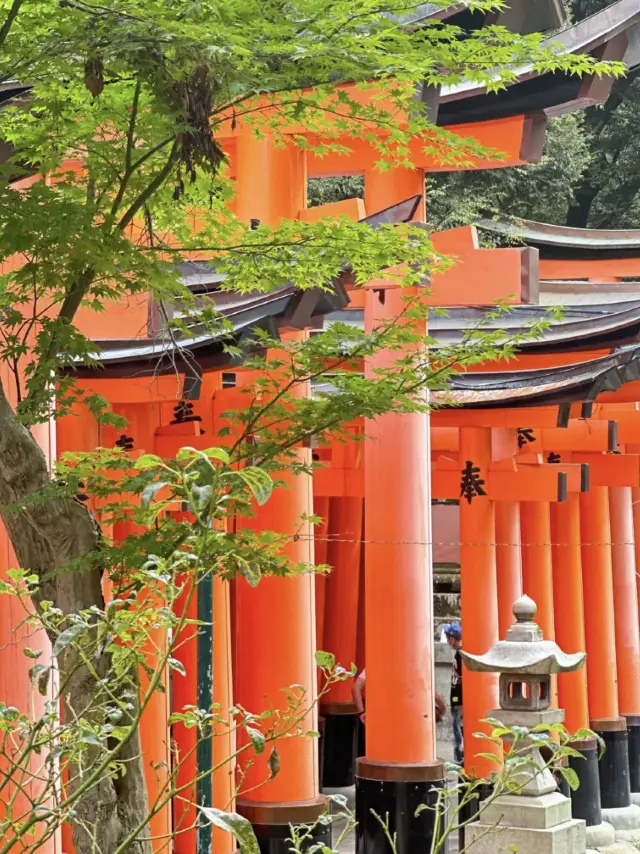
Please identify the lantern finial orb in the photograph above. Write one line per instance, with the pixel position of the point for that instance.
(524, 609)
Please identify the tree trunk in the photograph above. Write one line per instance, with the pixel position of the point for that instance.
(47, 536)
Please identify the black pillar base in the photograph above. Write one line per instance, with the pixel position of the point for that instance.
(395, 792)
(614, 764)
(585, 800)
(633, 732)
(361, 747)
(471, 808)
(339, 746)
(271, 823)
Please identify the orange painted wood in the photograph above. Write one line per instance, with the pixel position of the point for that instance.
(275, 641)
(137, 390)
(479, 600)
(224, 740)
(610, 469)
(628, 393)
(338, 483)
(154, 721)
(599, 615)
(77, 431)
(497, 274)
(635, 505)
(608, 269)
(504, 136)
(16, 688)
(362, 615)
(270, 182)
(398, 603)
(444, 438)
(275, 621)
(383, 189)
(579, 435)
(537, 578)
(629, 428)
(508, 561)
(625, 599)
(398, 599)
(125, 318)
(539, 482)
(568, 608)
(320, 508)
(353, 209)
(534, 416)
(585, 435)
(537, 572)
(452, 241)
(342, 589)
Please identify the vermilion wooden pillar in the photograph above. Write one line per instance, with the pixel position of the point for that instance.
(154, 726)
(76, 432)
(271, 181)
(568, 607)
(599, 618)
(320, 508)
(400, 730)
(625, 599)
(275, 649)
(479, 598)
(570, 636)
(340, 638)
(16, 687)
(224, 740)
(508, 561)
(599, 615)
(275, 621)
(537, 573)
(341, 603)
(635, 501)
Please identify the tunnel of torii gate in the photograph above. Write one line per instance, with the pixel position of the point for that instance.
(542, 448)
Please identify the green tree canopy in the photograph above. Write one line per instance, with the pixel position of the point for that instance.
(589, 175)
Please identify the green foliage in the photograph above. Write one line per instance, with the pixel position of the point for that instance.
(322, 191)
(154, 573)
(542, 748)
(589, 175)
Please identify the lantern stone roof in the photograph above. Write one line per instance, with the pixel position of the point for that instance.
(524, 650)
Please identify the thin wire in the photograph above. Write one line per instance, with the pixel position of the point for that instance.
(298, 537)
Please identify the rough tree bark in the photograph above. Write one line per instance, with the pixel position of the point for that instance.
(47, 536)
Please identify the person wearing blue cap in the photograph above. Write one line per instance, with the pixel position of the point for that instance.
(453, 634)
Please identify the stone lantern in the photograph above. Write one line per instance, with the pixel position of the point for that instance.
(537, 817)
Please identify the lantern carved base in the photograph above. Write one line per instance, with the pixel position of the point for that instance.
(529, 825)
